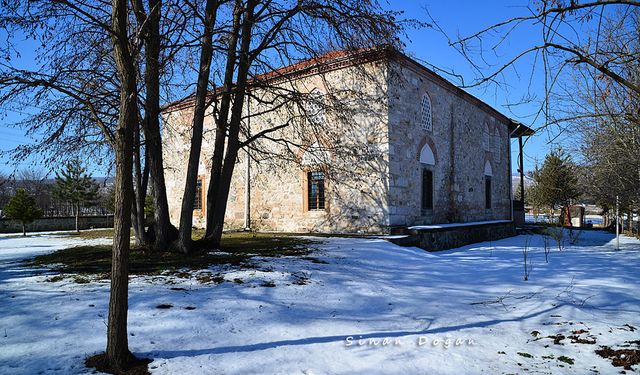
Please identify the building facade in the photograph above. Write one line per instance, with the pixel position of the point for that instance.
(355, 142)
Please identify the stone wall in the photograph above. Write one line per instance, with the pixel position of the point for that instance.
(464, 137)
(353, 144)
(449, 238)
(369, 140)
(57, 223)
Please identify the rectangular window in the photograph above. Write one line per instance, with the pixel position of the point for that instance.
(427, 189)
(315, 190)
(197, 204)
(487, 192)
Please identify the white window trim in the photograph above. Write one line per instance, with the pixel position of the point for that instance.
(427, 156)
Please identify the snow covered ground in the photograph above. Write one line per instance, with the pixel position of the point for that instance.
(463, 311)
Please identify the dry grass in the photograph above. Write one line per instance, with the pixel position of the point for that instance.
(236, 249)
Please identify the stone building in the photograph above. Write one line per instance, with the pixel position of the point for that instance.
(359, 141)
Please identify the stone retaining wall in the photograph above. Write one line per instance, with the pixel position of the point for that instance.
(435, 239)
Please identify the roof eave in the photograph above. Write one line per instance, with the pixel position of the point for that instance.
(518, 129)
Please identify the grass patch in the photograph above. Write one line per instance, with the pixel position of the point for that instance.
(566, 359)
(621, 357)
(208, 277)
(535, 333)
(264, 244)
(91, 234)
(81, 279)
(54, 279)
(237, 249)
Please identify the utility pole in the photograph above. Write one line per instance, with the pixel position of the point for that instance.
(617, 222)
(520, 147)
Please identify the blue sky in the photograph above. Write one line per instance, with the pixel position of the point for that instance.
(426, 44)
(463, 18)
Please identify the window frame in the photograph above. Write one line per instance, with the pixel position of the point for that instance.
(321, 204)
(198, 203)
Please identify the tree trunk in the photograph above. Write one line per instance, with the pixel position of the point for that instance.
(118, 356)
(186, 213)
(139, 193)
(214, 179)
(151, 124)
(221, 124)
(145, 172)
(233, 143)
(24, 230)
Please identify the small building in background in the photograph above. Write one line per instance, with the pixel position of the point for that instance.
(573, 216)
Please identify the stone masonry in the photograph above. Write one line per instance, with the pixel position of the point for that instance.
(367, 139)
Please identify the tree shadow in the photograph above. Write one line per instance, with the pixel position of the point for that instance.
(338, 338)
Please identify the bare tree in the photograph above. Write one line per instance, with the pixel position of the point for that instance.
(584, 56)
(567, 35)
(72, 81)
(118, 356)
(75, 88)
(183, 243)
(154, 64)
(262, 35)
(602, 114)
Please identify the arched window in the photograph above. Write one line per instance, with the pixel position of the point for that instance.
(427, 161)
(315, 108)
(426, 118)
(488, 171)
(427, 156)
(486, 137)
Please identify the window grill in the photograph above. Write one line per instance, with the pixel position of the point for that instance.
(315, 108)
(315, 190)
(197, 204)
(426, 120)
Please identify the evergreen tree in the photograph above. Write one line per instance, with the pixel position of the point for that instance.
(22, 208)
(518, 192)
(74, 186)
(149, 209)
(555, 183)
